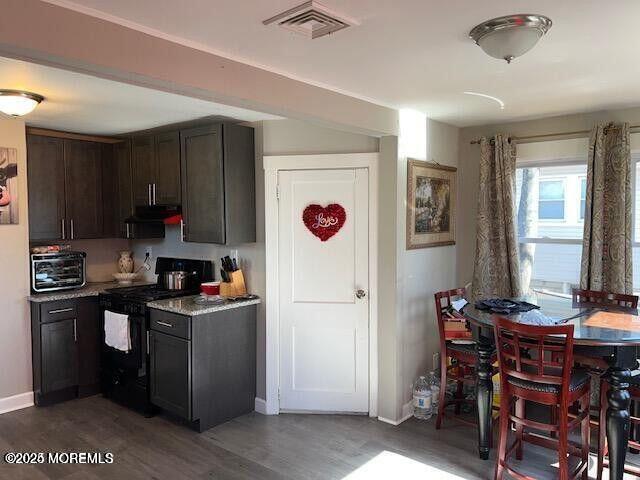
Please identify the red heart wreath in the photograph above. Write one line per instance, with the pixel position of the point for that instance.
(324, 222)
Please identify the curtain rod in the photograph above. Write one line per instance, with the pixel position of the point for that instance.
(577, 133)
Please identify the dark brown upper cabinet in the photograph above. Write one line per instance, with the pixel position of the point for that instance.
(218, 184)
(45, 177)
(66, 184)
(156, 169)
(123, 193)
(83, 189)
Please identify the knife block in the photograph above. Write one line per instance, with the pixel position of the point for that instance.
(235, 287)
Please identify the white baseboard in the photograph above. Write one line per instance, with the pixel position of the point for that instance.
(16, 402)
(261, 406)
(407, 413)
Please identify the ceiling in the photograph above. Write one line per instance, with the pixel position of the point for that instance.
(416, 54)
(81, 103)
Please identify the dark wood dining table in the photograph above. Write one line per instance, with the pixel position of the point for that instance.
(610, 333)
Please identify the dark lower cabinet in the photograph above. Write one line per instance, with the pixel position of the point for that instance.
(203, 367)
(65, 337)
(170, 373)
(59, 355)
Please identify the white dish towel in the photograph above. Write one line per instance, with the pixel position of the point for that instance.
(116, 331)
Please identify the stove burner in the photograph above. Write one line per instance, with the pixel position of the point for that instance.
(147, 293)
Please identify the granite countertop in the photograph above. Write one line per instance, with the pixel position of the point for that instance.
(89, 290)
(187, 306)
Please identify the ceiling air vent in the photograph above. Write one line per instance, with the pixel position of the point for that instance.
(310, 19)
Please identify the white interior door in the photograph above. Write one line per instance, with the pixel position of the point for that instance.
(324, 320)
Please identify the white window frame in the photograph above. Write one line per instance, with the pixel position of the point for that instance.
(580, 179)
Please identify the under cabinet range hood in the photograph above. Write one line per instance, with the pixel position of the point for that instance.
(149, 221)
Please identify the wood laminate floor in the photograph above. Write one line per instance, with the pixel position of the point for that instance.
(254, 446)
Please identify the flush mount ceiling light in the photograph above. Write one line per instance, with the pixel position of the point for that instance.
(511, 36)
(17, 102)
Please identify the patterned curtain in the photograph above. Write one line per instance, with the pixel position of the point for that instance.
(497, 270)
(606, 249)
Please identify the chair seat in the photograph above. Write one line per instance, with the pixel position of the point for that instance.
(469, 348)
(578, 379)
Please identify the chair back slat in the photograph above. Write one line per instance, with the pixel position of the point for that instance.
(597, 297)
(535, 353)
(443, 305)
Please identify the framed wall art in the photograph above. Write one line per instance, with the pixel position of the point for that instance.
(8, 186)
(431, 204)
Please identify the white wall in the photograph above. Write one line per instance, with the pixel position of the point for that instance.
(469, 173)
(407, 328)
(15, 327)
(421, 272)
(274, 137)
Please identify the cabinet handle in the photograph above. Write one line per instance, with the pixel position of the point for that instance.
(72, 232)
(182, 229)
(164, 323)
(147, 342)
(63, 232)
(75, 331)
(128, 234)
(154, 194)
(149, 193)
(60, 310)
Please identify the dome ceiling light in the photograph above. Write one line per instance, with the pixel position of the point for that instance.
(511, 36)
(17, 102)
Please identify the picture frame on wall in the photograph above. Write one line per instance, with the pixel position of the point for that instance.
(9, 214)
(431, 204)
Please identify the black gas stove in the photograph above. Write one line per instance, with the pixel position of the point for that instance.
(133, 300)
(124, 375)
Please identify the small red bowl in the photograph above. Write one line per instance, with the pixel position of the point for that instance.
(210, 288)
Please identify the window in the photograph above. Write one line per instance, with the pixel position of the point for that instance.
(551, 200)
(550, 224)
(583, 197)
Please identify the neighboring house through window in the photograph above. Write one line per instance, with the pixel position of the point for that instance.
(551, 199)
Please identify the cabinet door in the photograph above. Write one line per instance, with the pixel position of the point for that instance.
(45, 177)
(203, 184)
(88, 339)
(83, 188)
(59, 355)
(170, 371)
(122, 161)
(143, 167)
(110, 225)
(167, 181)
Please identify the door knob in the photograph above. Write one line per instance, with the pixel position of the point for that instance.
(360, 293)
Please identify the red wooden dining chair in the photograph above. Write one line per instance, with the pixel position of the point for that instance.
(598, 365)
(596, 297)
(536, 365)
(463, 356)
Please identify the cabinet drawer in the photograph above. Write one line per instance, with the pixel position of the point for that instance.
(171, 323)
(58, 310)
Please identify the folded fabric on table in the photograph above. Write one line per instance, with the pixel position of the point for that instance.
(505, 305)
